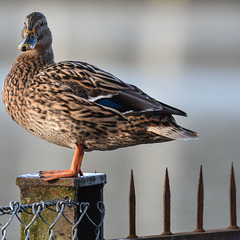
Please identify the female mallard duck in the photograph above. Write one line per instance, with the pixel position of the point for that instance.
(77, 105)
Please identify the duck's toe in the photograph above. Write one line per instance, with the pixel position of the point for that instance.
(56, 174)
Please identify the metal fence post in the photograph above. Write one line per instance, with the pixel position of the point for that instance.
(88, 188)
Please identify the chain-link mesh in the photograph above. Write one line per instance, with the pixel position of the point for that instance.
(57, 205)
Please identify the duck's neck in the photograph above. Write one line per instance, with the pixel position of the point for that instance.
(27, 65)
(41, 58)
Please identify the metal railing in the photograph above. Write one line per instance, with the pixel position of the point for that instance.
(59, 206)
(231, 232)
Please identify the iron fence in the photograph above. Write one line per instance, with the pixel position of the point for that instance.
(232, 232)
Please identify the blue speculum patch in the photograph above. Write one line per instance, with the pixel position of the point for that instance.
(111, 104)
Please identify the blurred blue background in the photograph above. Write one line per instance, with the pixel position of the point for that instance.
(184, 53)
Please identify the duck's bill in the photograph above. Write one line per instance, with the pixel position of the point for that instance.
(29, 42)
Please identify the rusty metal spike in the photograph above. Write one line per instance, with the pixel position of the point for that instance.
(200, 203)
(233, 201)
(132, 209)
(166, 206)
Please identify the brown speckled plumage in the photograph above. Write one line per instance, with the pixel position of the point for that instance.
(77, 105)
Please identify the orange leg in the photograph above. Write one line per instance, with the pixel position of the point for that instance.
(72, 172)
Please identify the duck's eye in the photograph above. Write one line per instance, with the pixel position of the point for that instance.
(42, 23)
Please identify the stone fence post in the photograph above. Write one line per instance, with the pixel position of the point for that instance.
(88, 188)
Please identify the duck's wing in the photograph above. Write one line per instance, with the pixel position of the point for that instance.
(98, 86)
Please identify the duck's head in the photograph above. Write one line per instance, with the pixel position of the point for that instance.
(36, 34)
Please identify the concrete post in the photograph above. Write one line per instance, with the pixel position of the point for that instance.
(88, 188)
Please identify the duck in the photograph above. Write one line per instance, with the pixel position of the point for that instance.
(78, 105)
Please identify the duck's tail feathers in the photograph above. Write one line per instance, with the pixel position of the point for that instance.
(173, 131)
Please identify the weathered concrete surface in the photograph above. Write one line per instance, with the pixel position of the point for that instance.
(88, 188)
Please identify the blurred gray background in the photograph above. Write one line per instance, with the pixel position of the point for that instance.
(184, 53)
